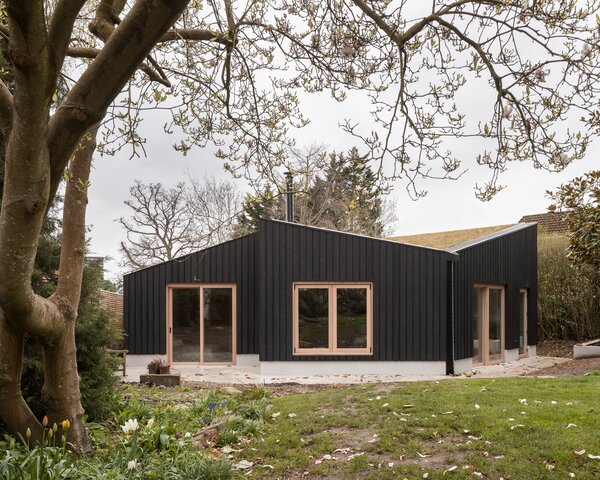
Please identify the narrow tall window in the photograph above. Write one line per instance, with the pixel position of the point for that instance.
(332, 319)
(488, 324)
(523, 323)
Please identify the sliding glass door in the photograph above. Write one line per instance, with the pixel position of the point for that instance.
(201, 324)
(488, 324)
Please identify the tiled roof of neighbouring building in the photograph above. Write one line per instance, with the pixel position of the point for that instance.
(552, 222)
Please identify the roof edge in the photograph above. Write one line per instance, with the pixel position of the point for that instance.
(358, 235)
(490, 236)
(184, 257)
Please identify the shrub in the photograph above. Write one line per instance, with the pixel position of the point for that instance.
(568, 295)
(96, 330)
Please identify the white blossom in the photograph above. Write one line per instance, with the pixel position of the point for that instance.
(130, 426)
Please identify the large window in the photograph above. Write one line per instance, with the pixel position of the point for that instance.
(332, 319)
(488, 324)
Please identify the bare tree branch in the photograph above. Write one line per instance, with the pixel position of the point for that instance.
(124, 51)
(61, 27)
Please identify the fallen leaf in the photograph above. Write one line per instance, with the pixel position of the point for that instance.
(451, 469)
(518, 425)
(477, 407)
(292, 415)
(478, 474)
(425, 475)
(549, 466)
(350, 457)
(571, 425)
(571, 474)
(578, 453)
(243, 465)
(267, 466)
(423, 455)
(593, 457)
(522, 400)
(391, 464)
(553, 402)
(276, 414)
(385, 404)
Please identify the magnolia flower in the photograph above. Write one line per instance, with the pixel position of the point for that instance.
(541, 74)
(507, 111)
(131, 464)
(586, 51)
(130, 426)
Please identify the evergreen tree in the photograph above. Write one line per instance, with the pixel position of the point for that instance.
(342, 194)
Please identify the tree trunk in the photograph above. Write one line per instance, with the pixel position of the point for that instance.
(13, 409)
(55, 319)
(61, 394)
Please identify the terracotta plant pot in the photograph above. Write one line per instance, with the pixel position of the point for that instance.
(153, 369)
(164, 369)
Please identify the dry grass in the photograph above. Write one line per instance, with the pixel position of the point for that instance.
(444, 240)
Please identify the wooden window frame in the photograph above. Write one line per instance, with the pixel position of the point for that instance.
(332, 319)
(526, 321)
(486, 324)
(201, 286)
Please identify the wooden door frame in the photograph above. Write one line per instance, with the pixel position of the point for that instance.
(201, 286)
(485, 348)
(525, 321)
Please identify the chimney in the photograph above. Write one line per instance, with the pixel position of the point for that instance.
(289, 197)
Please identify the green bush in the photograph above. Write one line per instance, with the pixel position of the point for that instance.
(96, 330)
(568, 302)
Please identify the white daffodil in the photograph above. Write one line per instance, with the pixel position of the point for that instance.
(131, 465)
(130, 426)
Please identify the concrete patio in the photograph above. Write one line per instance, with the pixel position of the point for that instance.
(250, 375)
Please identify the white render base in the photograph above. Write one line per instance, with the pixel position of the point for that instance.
(352, 368)
(587, 350)
(247, 360)
(463, 365)
(466, 364)
(511, 355)
(532, 350)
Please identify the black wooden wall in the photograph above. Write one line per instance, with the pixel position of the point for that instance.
(410, 289)
(145, 293)
(509, 260)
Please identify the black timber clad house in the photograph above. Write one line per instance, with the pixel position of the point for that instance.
(300, 299)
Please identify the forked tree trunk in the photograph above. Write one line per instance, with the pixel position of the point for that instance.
(60, 394)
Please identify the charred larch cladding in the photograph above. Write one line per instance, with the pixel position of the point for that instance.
(508, 259)
(145, 309)
(410, 290)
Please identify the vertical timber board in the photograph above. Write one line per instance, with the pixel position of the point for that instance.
(296, 253)
(506, 260)
(145, 296)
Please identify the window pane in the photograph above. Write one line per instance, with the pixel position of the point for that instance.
(313, 317)
(218, 325)
(351, 318)
(478, 319)
(495, 313)
(186, 324)
(522, 323)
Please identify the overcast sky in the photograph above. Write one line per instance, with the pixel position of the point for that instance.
(449, 204)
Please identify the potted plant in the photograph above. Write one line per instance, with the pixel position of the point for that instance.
(164, 368)
(154, 365)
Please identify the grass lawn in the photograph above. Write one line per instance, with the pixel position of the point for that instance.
(524, 428)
